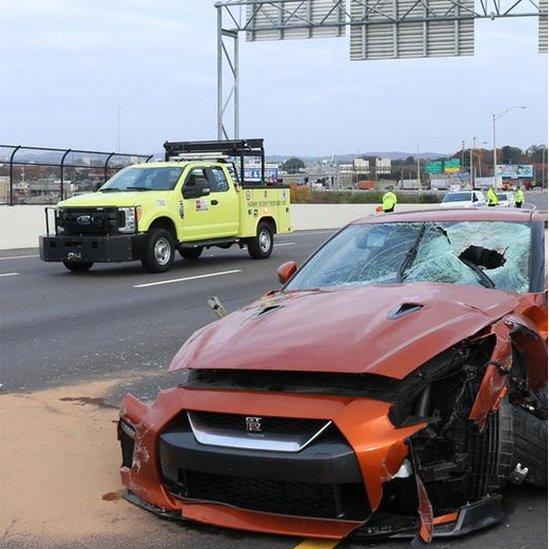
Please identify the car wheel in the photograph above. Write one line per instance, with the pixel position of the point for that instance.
(77, 267)
(159, 251)
(261, 247)
(191, 253)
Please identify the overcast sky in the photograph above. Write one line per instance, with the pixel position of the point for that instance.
(67, 65)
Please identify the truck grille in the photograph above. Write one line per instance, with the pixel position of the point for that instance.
(90, 221)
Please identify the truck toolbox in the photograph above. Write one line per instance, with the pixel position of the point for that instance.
(93, 249)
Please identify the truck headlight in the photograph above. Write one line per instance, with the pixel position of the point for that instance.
(129, 222)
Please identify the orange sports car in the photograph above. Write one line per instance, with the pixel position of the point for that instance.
(392, 386)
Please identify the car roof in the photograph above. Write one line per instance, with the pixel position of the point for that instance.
(457, 214)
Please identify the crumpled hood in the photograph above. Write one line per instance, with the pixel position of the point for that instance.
(368, 329)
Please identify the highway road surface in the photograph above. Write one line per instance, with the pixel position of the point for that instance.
(72, 344)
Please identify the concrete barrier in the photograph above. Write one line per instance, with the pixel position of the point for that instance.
(20, 226)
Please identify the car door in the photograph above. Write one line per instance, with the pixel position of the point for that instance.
(223, 202)
(198, 216)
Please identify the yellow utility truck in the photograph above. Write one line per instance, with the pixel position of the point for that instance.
(197, 198)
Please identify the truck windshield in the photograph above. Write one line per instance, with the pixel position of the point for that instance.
(143, 179)
(389, 253)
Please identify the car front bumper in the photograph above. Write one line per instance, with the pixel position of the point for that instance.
(92, 249)
(367, 450)
(158, 451)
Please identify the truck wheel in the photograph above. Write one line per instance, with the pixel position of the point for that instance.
(261, 246)
(77, 267)
(159, 251)
(191, 253)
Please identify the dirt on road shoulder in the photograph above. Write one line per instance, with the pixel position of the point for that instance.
(59, 468)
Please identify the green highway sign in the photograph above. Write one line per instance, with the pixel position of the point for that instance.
(452, 166)
(433, 167)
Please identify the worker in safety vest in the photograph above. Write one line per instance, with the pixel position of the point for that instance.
(492, 197)
(519, 197)
(389, 201)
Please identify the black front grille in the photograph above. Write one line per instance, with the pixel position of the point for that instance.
(269, 425)
(289, 498)
(90, 221)
(323, 480)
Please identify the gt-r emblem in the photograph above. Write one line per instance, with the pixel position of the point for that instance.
(253, 424)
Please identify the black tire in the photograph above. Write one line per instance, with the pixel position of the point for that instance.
(159, 251)
(261, 246)
(191, 253)
(77, 267)
(530, 441)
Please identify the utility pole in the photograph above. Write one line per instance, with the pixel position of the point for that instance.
(418, 169)
(472, 164)
(543, 167)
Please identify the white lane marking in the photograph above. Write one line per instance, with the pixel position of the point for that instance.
(9, 274)
(305, 233)
(18, 257)
(285, 244)
(196, 277)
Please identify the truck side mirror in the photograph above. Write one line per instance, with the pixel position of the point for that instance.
(286, 271)
(200, 188)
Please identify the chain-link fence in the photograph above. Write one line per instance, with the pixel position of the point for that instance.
(43, 175)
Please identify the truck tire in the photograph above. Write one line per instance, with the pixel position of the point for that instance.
(77, 267)
(261, 246)
(191, 253)
(530, 441)
(159, 251)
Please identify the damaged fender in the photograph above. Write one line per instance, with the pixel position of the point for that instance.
(510, 330)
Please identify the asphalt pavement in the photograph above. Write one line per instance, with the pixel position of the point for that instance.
(60, 328)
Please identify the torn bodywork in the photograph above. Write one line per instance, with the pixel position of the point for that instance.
(394, 409)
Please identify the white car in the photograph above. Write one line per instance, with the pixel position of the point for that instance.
(463, 199)
(506, 199)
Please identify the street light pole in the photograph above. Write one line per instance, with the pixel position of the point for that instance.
(495, 117)
(472, 164)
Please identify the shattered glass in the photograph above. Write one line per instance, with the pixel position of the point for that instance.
(414, 252)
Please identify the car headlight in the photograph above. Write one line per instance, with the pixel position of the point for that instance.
(128, 224)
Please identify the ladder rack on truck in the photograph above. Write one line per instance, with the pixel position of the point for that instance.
(220, 151)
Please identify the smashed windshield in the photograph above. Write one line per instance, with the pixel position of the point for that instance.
(143, 179)
(491, 254)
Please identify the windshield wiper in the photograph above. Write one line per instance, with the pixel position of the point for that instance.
(411, 254)
(485, 280)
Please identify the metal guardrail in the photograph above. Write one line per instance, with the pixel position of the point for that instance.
(45, 179)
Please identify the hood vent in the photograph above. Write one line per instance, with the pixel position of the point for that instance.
(405, 309)
(268, 309)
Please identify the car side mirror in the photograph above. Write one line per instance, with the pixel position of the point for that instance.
(286, 271)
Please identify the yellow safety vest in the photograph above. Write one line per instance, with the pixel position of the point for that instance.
(492, 197)
(519, 196)
(389, 201)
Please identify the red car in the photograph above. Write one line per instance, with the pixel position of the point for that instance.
(392, 387)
